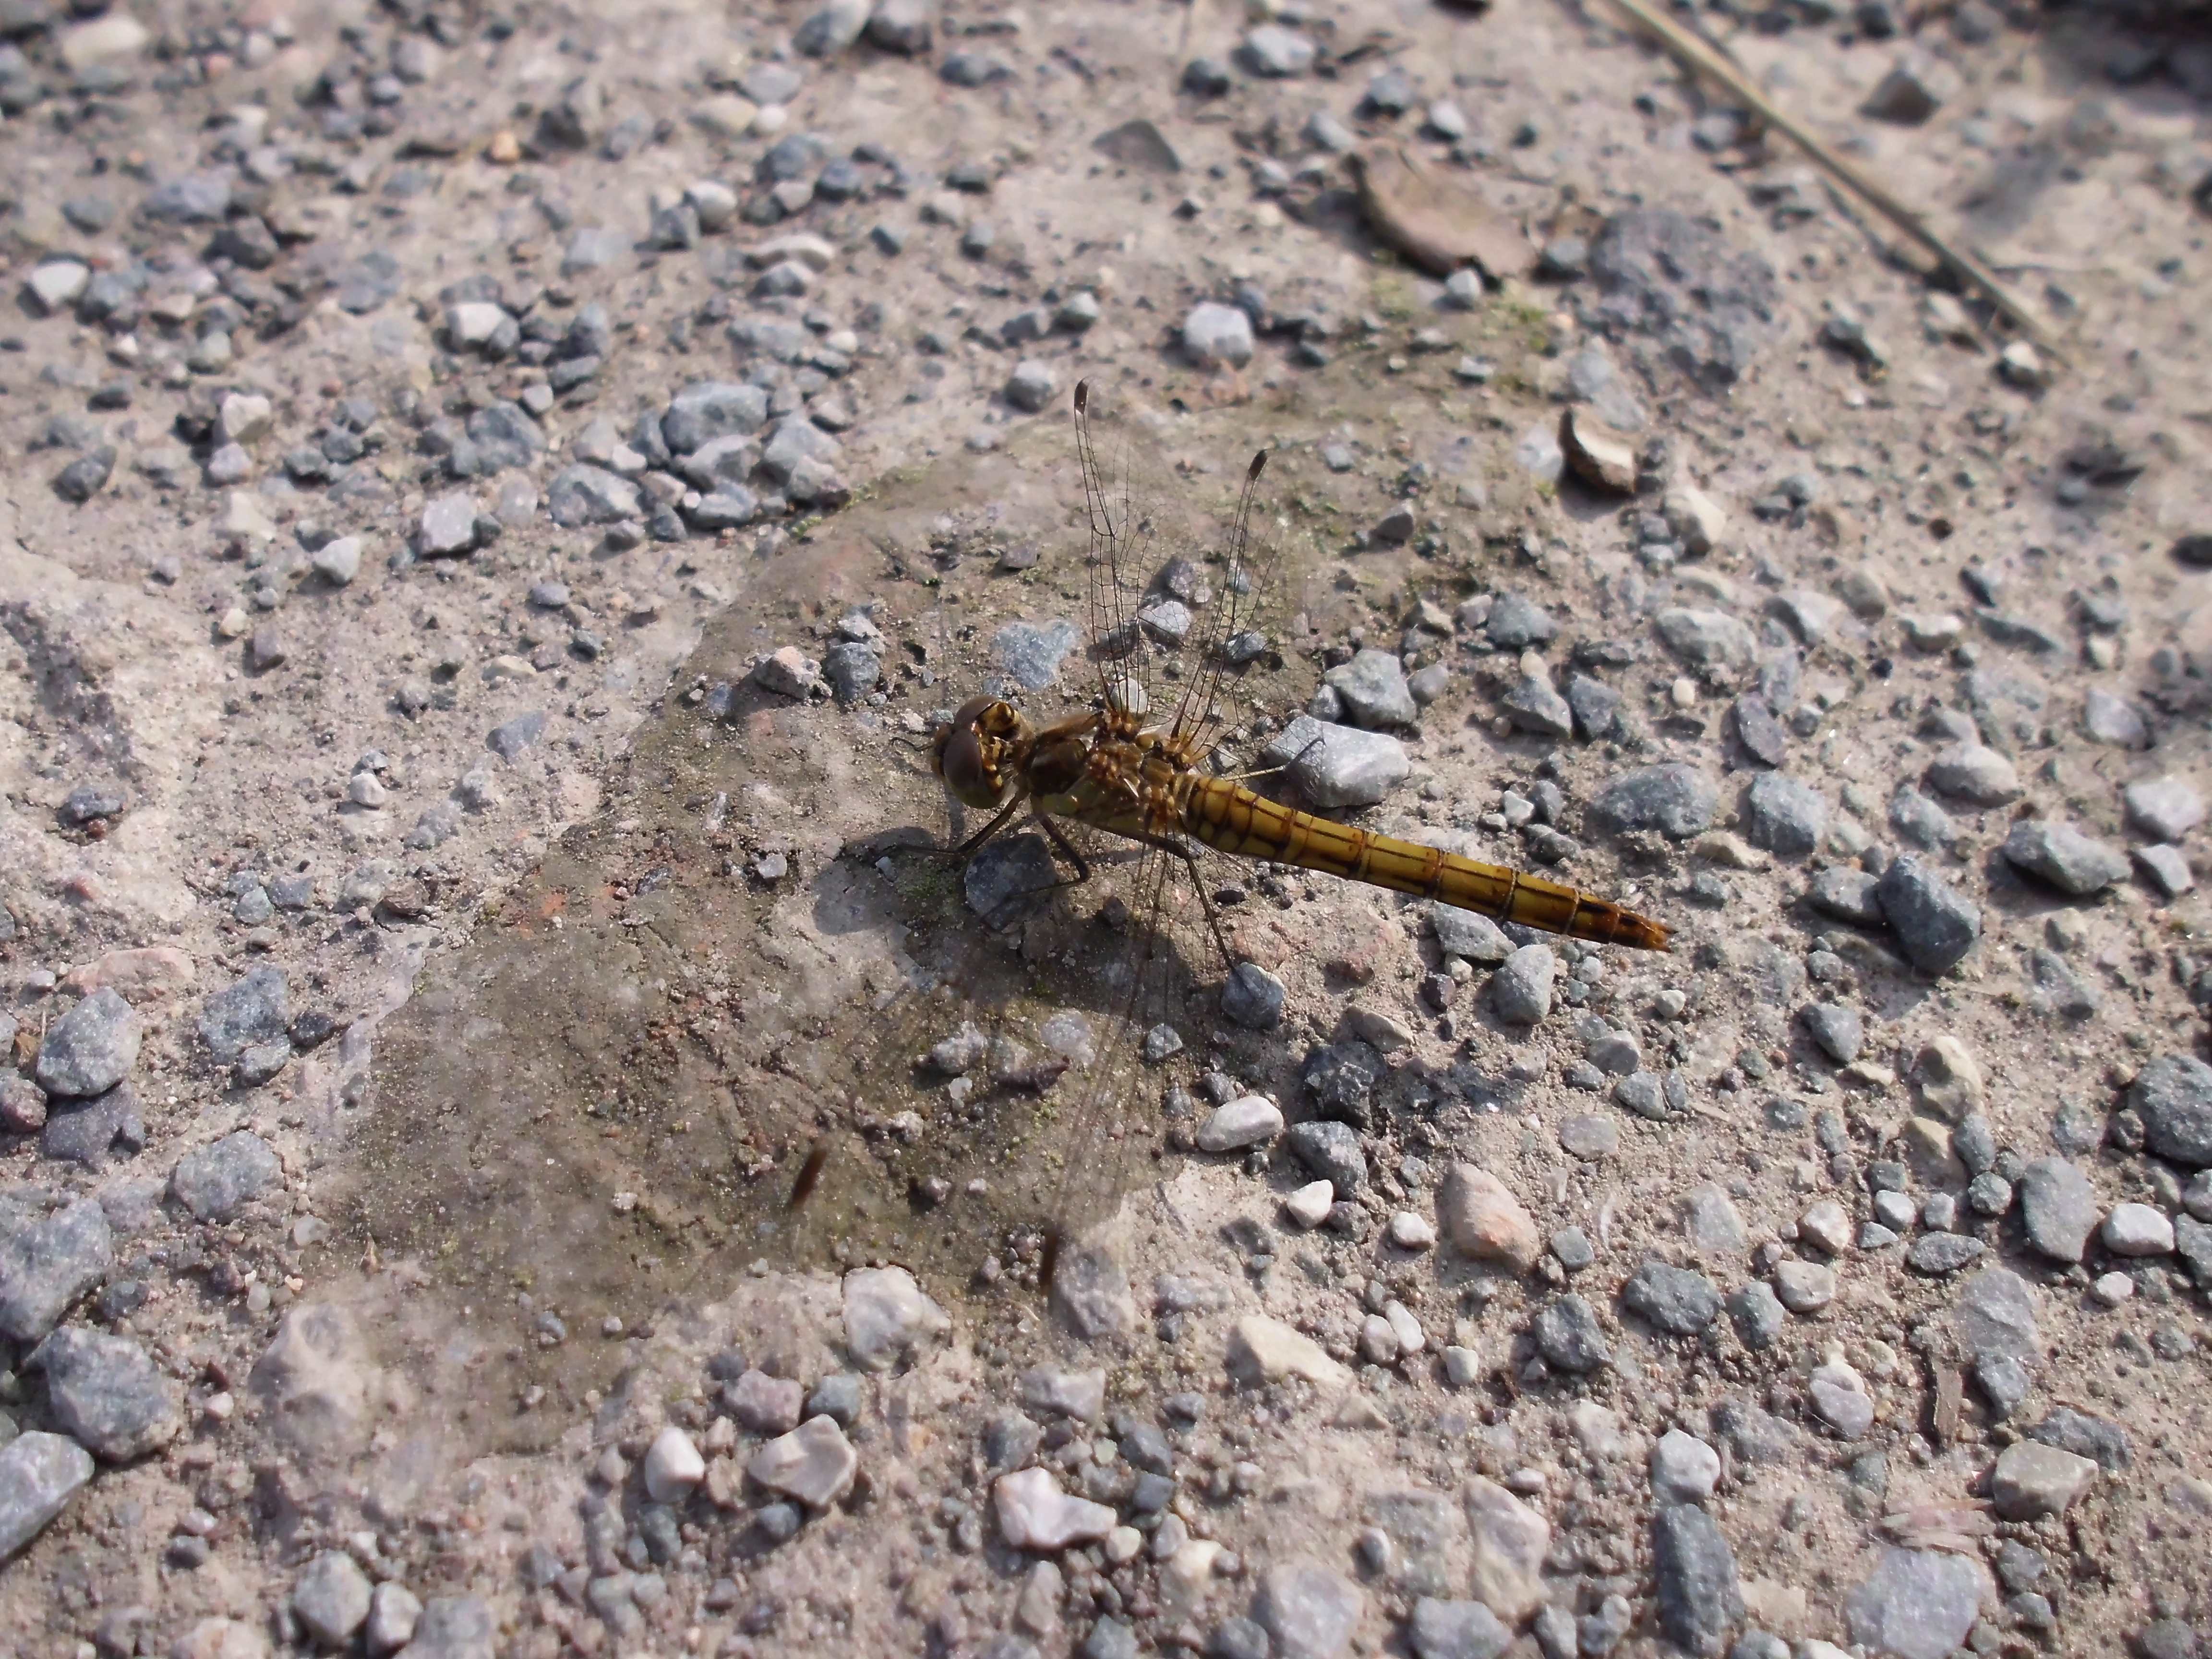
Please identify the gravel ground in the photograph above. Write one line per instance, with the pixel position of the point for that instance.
(497, 499)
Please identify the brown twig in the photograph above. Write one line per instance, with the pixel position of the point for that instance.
(1701, 58)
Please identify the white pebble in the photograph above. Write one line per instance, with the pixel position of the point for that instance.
(1409, 1231)
(672, 1467)
(1309, 1206)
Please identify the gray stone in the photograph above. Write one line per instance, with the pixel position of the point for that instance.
(2032, 1480)
(2163, 809)
(1372, 687)
(1916, 1604)
(1643, 1093)
(1467, 935)
(215, 1180)
(448, 527)
(2085, 1436)
(2172, 1094)
(1936, 925)
(1757, 1314)
(48, 1259)
(2062, 856)
(2192, 1242)
(2114, 719)
(1784, 815)
(1684, 1468)
(795, 442)
(1676, 1300)
(1252, 997)
(1277, 53)
(1936, 1254)
(1031, 385)
(1570, 1338)
(1694, 1569)
(1975, 773)
(1666, 274)
(1335, 766)
(1533, 706)
(393, 1611)
(1516, 622)
(1595, 707)
(1758, 731)
(2004, 1382)
(710, 409)
(1331, 1149)
(1920, 820)
(2058, 1208)
(2166, 869)
(1848, 895)
(723, 462)
(1838, 1398)
(453, 1627)
(254, 1009)
(1521, 989)
(1032, 653)
(1218, 335)
(1455, 1629)
(39, 1473)
(331, 1598)
(337, 561)
(88, 1050)
(832, 29)
(1837, 1030)
(888, 1317)
(1310, 1611)
(1676, 799)
(904, 26)
(106, 1392)
(1803, 1287)
(1995, 1315)
(1706, 639)
(583, 495)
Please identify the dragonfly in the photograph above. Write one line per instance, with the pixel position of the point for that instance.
(1139, 771)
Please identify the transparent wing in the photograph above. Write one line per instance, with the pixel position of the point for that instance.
(1248, 579)
(1122, 530)
(1181, 569)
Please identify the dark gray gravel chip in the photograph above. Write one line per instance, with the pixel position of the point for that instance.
(1676, 1300)
(48, 1259)
(253, 1010)
(1936, 925)
(1331, 1149)
(2172, 1095)
(88, 1131)
(214, 1181)
(108, 1393)
(1676, 799)
(2076, 1431)
(85, 476)
(1936, 1254)
(1694, 1569)
(1672, 276)
(1569, 1336)
(89, 1049)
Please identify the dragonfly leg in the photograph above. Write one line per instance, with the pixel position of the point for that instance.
(1029, 896)
(1205, 900)
(966, 850)
(1068, 850)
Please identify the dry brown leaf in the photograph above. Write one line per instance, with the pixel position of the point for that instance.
(1438, 221)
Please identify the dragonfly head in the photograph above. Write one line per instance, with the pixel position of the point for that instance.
(975, 752)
